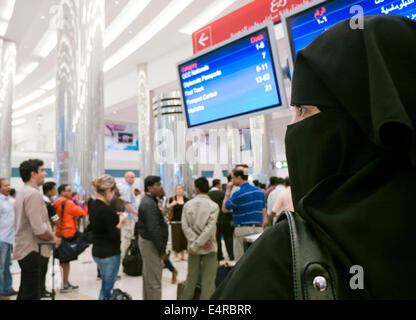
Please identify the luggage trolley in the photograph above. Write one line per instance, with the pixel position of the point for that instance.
(50, 243)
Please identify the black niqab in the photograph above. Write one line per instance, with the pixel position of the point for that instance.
(352, 166)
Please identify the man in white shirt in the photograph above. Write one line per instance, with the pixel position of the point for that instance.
(271, 199)
(199, 224)
(7, 233)
(127, 230)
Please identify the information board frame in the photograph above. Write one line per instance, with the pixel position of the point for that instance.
(288, 17)
(288, 32)
(269, 27)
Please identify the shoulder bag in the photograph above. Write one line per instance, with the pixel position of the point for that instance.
(314, 272)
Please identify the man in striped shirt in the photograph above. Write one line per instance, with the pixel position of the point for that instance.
(248, 207)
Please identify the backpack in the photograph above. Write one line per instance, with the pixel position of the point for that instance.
(117, 294)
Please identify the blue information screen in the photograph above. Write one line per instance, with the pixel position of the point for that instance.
(235, 79)
(307, 25)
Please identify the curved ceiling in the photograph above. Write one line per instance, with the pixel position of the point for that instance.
(30, 28)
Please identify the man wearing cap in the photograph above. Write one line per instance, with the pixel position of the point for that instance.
(248, 207)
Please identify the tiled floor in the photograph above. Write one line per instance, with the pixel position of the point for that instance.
(84, 274)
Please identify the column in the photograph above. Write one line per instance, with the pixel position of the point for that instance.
(260, 142)
(234, 145)
(80, 96)
(7, 73)
(171, 144)
(145, 125)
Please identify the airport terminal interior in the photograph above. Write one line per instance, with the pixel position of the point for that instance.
(113, 93)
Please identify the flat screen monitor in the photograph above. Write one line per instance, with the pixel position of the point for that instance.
(236, 78)
(305, 23)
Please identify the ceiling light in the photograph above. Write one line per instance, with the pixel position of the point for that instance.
(18, 122)
(34, 95)
(19, 78)
(35, 107)
(24, 71)
(129, 13)
(46, 44)
(49, 85)
(3, 28)
(8, 9)
(43, 17)
(28, 68)
(170, 12)
(206, 16)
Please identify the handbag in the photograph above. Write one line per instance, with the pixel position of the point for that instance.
(171, 210)
(132, 262)
(71, 247)
(314, 272)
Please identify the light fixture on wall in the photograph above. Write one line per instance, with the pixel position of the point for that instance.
(169, 13)
(206, 16)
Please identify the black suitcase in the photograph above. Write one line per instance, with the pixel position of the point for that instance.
(181, 286)
(222, 273)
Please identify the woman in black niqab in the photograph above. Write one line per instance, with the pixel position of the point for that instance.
(352, 166)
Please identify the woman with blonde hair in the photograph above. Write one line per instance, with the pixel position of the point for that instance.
(105, 225)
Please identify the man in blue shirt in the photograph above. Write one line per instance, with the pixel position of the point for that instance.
(7, 233)
(248, 207)
(127, 230)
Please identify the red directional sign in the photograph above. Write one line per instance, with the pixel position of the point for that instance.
(251, 15)
(202, 38)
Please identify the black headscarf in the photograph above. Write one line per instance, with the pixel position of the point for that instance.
(353, 166)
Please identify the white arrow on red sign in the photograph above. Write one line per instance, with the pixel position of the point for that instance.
(202, 39)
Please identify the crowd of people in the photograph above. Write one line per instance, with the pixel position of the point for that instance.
(43, 211)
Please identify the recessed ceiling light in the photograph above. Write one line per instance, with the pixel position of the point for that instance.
(43, 17)
(130, 12)
(116, 2)
(46, 44)
(25, 100)
(3, 28)
(18, 122)
(49, 85)
(7, 9)
(35, 107)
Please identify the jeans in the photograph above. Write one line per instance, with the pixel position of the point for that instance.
(108, 269)
(5, 263)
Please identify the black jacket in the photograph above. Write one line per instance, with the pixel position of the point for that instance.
(106, 236)
(151, 224)
(224, 218)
